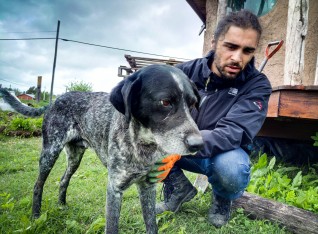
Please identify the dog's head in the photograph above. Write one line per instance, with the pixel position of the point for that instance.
(160, 98)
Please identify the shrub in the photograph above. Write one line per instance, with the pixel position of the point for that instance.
(315, 138)
(79, 86)
(20, 125)
(285, 184)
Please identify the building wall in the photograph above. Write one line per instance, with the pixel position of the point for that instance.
(24, 97)
(274, 28)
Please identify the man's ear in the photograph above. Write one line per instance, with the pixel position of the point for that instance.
(213, 44)
(121, 96)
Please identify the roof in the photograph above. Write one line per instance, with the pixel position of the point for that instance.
(139, 62)
(199, 7)
(136, 63)
(30, 95)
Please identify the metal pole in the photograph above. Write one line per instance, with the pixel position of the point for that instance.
(54, 63)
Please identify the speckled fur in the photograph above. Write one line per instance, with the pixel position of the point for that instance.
(129, 130)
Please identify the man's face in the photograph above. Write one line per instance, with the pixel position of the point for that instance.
(233, 51)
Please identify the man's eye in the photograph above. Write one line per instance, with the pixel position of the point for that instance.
(165, 103)
(231, 47)
(249, 51)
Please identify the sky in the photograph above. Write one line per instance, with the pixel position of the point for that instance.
(165, 27)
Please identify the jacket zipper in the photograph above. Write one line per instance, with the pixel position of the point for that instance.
(206, 84)
(202, 101)
(206, 90)
(200, 115)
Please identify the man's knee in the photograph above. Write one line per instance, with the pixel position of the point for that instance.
(230, 173)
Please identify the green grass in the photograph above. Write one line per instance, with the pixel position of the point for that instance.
(85, 209)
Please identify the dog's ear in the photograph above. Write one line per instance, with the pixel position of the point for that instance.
(196, 93)
(121, 95)
(116, 98)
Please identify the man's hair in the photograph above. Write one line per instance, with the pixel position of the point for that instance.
(243, 19)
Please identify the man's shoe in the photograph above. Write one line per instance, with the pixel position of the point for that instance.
(177, 189)
(220, 211)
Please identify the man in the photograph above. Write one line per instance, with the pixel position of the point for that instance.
(233, 107)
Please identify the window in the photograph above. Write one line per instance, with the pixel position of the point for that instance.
(258, 7)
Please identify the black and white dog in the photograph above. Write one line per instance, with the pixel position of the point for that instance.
(145, 117)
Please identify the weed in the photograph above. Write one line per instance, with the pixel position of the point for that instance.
(286, 184)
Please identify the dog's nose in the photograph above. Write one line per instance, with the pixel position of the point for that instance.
(194, 142)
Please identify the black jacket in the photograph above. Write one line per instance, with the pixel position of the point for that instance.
(231, 112)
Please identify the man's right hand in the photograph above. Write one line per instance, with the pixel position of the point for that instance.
(162, 168)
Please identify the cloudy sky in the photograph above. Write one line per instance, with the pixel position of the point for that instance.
(165, 27)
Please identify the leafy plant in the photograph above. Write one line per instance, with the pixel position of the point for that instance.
(4, 118)
(79, 86)
(285, 184)
(315, 138)
(21, 123)
(6, 202)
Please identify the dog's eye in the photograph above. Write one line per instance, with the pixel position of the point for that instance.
(192, 105)
(165, 103)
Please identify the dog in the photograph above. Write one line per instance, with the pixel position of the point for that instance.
(145, 117)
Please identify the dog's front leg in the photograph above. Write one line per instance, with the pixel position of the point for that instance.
(113, 206)
(147, 196)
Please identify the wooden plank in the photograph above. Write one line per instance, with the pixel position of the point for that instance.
(294, 102)
(316, 74)
(299, 104)
(294, 219)
(295, 87)
(288, 128)
(273, 104)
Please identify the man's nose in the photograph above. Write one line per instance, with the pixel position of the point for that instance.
(237, 56)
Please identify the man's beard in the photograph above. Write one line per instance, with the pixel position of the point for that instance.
(224, 74)
(222, 70)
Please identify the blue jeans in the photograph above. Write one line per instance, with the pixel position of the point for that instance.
(228, 173)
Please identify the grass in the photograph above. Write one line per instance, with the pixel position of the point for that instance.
(85, 209)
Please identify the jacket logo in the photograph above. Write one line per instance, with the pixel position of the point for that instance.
(258, 104)
(233, 91)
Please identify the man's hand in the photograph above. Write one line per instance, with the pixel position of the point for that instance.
(162, 168)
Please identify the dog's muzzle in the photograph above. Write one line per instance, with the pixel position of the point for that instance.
(194, 142)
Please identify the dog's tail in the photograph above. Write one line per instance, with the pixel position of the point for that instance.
(20, 107)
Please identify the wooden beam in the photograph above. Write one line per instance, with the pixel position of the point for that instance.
(299, 102)
(211, 14)
(289, 128)
(221, 10)
(316, 76)
(297, 24)
(294, 219)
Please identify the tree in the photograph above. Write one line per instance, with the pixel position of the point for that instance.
(79, 86)
(45, 95)
(31, 90)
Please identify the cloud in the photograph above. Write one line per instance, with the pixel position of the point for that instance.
(160, 27)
